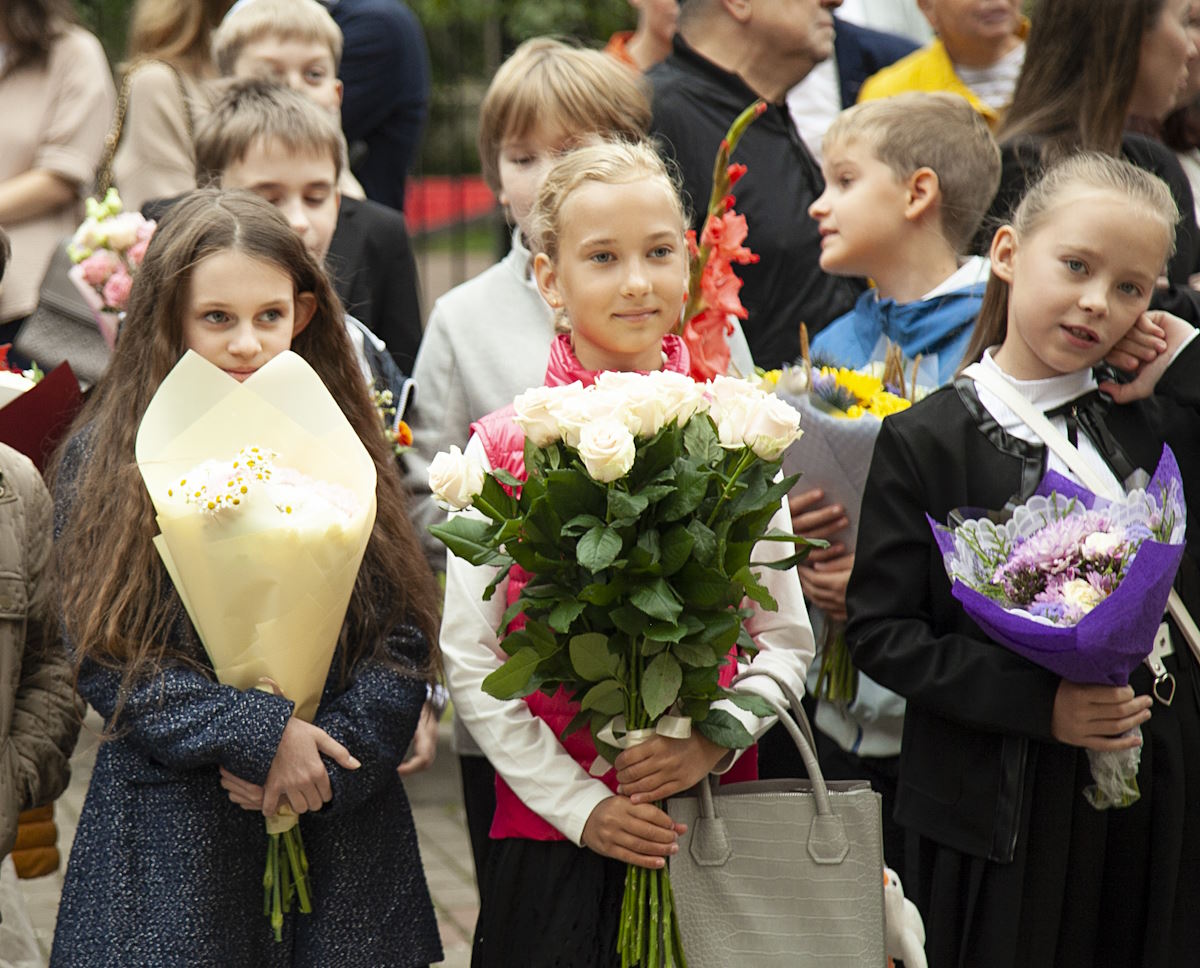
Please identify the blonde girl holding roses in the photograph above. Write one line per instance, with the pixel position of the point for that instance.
(612, 262)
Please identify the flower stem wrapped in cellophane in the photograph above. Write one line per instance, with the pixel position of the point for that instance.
(265, 583)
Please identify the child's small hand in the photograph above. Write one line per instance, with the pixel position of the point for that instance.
(633, 833)
(424, 743)
(661, 766)
(298, 773)
(247, 795)
(1146, 373)
(1142, 344)
(825, 583)
(814, 519)
(1097, 717)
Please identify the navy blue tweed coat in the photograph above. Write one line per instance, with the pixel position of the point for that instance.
(165, 871)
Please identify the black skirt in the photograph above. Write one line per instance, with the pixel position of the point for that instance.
(548, 904)
(1086, 888)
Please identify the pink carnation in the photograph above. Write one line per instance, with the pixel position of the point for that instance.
(116, 290)
(99, 266)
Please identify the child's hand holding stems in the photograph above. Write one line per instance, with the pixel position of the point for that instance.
(628, 826)
(297, 775)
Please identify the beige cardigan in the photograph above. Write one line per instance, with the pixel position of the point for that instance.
(39, 711)
(156, 158)
(54, 117)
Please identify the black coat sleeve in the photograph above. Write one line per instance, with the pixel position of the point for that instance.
(905, 630)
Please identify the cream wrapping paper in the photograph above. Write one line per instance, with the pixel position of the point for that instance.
(268, 598)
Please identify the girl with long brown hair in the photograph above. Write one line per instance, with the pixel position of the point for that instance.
(167, 863)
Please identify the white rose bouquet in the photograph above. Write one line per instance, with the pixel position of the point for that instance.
(645, 497)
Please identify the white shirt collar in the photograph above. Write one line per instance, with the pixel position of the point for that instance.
(975, 269)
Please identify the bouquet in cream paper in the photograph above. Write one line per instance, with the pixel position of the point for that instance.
(265, 501)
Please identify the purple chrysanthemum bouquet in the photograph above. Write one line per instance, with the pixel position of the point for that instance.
(1076, 584)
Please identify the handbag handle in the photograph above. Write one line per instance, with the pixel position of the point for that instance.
(827, 840)
(112, 141)
(1057, 441)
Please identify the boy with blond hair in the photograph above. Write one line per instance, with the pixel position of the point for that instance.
(908, 180)
(297, 43)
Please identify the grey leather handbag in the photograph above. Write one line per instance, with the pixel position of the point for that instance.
(777, 873)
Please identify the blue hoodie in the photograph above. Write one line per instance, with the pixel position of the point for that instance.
(940, 326)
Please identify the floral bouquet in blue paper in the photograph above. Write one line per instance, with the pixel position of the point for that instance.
(1076, 584)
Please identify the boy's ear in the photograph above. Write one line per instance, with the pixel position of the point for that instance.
(1003, 252)
(341, 89)
(924, 192)
(306, 307)
(547, 280)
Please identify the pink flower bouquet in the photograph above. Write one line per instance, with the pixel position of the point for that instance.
(107, 250)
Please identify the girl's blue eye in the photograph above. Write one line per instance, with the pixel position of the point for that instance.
(661, 251)
(602, 258)
(1130, 289)
(1075, 265)
(216, 317)
(272, 315)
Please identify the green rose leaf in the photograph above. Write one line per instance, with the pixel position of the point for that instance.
(751, 703)
(515, 679)
(705, 542)
(591, 658)
(469, 538)
(691, 485)
(598, 548)
(581, 523)
(755, 590)
(601, 593)
(623, 505)
(666, 632)
(563, 614)
(725, 730)
(703, 586)
(658, 600)
(660, 685)
(504, 477)
(629, 620)
(675, 547)
(694, 655)
(606, 697)
(700, 439)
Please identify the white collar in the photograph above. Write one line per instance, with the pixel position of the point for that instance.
(973, 270)
(1044, 394)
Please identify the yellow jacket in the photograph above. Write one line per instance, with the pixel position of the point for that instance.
(928, 69)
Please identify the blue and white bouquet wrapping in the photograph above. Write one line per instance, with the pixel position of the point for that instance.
(1076, 584)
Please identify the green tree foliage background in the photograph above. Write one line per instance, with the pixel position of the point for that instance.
(467, 40)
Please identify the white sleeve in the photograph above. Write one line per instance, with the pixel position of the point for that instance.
(522, 748)
(784, 637)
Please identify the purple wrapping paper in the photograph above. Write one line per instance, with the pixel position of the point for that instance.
(1111, 640)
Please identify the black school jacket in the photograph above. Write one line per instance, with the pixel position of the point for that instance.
(974, 706)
